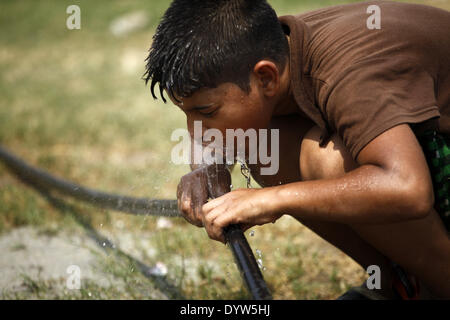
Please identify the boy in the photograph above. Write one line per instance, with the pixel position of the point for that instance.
(350, 101)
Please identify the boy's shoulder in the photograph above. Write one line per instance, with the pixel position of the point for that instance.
(359, 74)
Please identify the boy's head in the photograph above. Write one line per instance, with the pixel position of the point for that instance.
(222, 57)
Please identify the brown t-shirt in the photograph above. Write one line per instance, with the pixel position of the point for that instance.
(359, 82)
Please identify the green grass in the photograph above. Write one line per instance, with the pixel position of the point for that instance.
(73, 102)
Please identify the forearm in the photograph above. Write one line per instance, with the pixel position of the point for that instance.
(366, 195)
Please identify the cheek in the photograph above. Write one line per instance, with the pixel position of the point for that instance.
(250, 114)
(242, 110)
(241, 117)
(255, 116)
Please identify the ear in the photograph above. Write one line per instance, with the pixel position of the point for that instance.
(267, 76)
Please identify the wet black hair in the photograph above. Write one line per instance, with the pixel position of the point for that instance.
(204, 43)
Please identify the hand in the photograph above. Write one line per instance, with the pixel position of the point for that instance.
(192, 193)
(246, 207)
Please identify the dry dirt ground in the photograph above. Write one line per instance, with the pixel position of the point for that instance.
(34, 264)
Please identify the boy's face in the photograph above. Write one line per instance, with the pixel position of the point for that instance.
(226, 107)
(229, 107)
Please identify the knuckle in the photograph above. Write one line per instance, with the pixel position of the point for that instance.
(186, 215)
(185, 207)
(198, 223)
(210, 234)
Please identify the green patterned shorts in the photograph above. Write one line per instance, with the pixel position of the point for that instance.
(436, 147)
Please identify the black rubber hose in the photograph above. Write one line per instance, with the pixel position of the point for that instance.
(41, 178)
(219, 181)
(246, 263)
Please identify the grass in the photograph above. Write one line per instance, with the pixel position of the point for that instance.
(73, 102)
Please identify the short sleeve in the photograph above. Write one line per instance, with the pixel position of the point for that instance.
(376, 95)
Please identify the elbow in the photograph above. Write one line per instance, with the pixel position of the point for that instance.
(422, 208)
(419, 199)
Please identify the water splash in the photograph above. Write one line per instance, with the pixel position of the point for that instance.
(259, 260)
(160, 269)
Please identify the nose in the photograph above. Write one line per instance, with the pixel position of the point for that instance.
(196, 125)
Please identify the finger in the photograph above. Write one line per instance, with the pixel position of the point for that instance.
(214, 231)
(219, 223)
(210, 205)
(199, 215)
(224, 220)
(185, 204)
(187, 212)
(199, 197)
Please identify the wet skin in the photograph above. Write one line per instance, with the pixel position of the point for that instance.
(386, 190)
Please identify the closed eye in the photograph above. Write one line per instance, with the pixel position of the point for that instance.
(208, 112)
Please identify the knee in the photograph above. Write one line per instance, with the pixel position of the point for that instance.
(330, 161)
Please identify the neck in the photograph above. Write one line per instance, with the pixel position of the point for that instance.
(286, 104)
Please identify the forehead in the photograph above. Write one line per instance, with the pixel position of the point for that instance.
(207, 96)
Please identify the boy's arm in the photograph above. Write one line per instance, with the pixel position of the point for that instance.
(392, 184)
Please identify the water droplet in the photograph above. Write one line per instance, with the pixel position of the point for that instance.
(163, 223)
(252, 233)
(259, 258)
(260, 265)
(160, 269)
